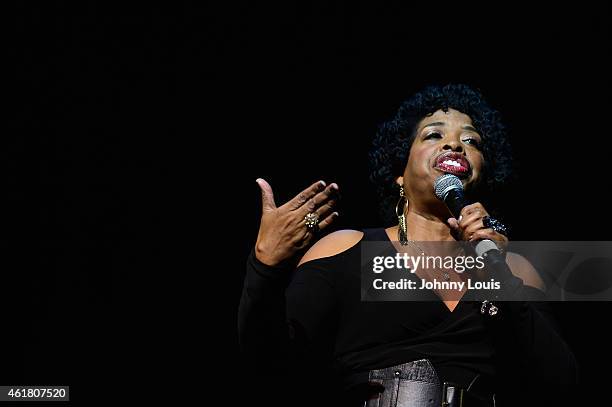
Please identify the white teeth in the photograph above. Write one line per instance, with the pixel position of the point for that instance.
(451, 162)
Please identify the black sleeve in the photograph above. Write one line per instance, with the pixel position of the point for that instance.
(532, 357)
(284, 316)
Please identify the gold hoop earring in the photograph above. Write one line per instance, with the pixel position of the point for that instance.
(402, 232)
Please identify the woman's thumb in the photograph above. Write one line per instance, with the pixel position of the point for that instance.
(267, 196)
(453, 223)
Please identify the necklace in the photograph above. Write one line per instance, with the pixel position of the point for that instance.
(403, 238)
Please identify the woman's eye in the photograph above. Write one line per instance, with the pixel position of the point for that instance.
(433, 135)
(472, 141)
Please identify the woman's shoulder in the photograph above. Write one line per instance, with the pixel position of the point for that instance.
(332, 244)
(523, 269)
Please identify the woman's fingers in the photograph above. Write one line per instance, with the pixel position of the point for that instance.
(469, 219)
(304, 196)
(305, 236)
(322, 205)
(473, 227)
(470, 226)
(322, 198)
(471, 208)
(328, 220)
(455, 229)
(483, 234)
(325, 209)
(453, 223)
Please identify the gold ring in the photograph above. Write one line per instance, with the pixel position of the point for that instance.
(312, 221)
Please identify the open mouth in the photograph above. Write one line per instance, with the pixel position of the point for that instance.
(453, 163)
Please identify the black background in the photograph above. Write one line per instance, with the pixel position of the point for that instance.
(137, 133)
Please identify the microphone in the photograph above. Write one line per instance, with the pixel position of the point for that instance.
(448, 188)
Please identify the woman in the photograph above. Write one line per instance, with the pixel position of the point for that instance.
(404, 353)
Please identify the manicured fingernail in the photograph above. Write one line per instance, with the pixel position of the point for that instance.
(336, 214)
(322, 183)
(334, 186)
(257, 180)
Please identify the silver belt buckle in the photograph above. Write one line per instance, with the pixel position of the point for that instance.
(452, 395)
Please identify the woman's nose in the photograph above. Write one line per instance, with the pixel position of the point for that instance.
(453, 145)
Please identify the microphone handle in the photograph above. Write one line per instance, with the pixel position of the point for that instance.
(455, 201)
(496, 260)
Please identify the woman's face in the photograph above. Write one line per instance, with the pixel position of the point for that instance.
(445, 143)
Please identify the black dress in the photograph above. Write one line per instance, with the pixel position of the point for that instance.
(313, 321)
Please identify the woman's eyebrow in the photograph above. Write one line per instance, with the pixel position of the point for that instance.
(466, 127)
(434, 124)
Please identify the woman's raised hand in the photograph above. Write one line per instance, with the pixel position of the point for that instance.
(283, 232)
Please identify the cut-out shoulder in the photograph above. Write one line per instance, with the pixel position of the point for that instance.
(332, 244)
(523, 269)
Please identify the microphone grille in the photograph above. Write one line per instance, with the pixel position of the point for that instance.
(446, 183)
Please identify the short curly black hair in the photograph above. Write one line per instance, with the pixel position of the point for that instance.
(394, 138)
